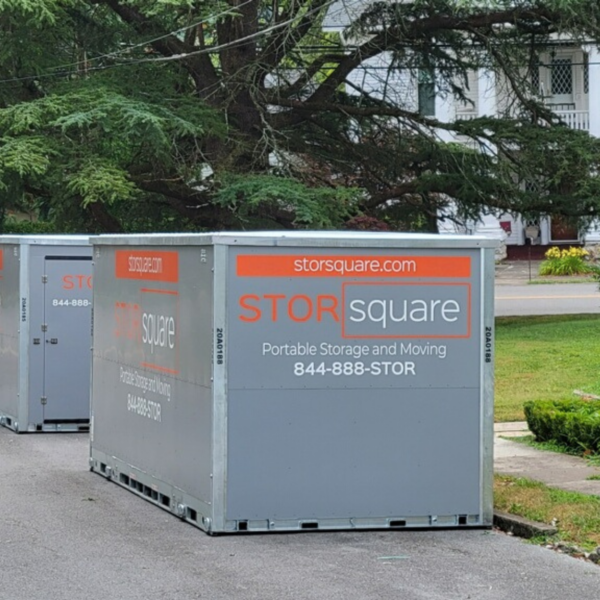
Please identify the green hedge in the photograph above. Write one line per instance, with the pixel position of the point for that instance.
(571, 423)
(12, 226)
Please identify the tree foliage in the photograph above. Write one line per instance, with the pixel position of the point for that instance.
(130, 115)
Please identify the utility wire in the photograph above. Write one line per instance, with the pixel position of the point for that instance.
(180, 57)
(241, 40)
(62, 69)
(208, 50)
(175, 57)
(166, 35)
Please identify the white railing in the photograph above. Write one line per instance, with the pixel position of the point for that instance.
(575, 119)
(466, 115)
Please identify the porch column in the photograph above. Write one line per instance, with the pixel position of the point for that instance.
(445, 112)
(592, 236)
(594, 89)
(486, 102)
(489, 225)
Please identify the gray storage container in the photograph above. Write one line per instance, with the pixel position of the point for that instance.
(288, 381)
(45, 332)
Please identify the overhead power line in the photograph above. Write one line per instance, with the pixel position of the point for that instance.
(63, 70)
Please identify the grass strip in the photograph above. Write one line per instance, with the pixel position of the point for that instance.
(575, 515)
(544, 358)
(563, 280)
(551, 446)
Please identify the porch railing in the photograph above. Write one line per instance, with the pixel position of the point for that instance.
(575, 119)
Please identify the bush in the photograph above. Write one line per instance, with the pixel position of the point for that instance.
(568, 261)
(571, 423)
(12, 226)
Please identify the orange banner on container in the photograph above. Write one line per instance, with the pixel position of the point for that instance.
(147, 265)
(347, 265)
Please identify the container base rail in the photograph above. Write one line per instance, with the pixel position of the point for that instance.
(57, 426)
(194, 511)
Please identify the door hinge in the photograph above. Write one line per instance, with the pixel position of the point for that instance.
(44, 278)
(44, 400)
(44, 327)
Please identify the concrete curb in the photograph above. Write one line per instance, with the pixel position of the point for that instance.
(522, 527)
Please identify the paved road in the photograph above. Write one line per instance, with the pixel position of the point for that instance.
(547, 299)
(67, 534)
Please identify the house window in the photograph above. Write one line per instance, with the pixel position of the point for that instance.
(561, 77)
(426, 91)
(535, 77)
(556, 79)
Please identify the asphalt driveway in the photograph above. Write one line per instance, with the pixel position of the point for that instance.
(68, 534)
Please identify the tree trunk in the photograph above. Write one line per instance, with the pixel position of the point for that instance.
(432, 222)
(238, 63)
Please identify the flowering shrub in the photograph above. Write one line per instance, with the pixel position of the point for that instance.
(568, 261)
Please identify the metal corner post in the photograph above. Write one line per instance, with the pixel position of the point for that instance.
(24, 335)
(219, 387)
(487, 266)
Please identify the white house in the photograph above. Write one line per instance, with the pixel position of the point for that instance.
(568, 79)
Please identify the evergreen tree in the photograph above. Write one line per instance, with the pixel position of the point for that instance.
(134, 115)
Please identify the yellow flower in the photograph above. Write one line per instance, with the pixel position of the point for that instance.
(553, 252)
(574, 252)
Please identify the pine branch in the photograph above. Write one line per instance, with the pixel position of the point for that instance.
(408, 33)
(285, 40)
(382, 110)
(199, 66)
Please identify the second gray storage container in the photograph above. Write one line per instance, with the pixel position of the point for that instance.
(45, 332)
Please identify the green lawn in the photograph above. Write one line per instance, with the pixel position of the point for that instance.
(544, 358)
(577, 515)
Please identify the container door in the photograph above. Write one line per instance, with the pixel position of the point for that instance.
(67, 338)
